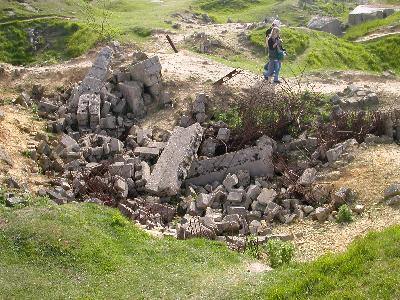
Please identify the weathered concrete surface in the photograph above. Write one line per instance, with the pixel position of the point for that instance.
(88, 112)
(364, 13)
(147, 71)
(173, 165)
(95, 78)
(257, 160)
(132, 92)
(326, 24)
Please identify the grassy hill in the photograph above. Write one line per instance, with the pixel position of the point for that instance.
(92, 252)
(363, 29)
(315, 50)
(56, 40)
(129, 20)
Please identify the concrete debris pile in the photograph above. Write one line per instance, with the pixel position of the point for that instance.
(355, 97)
(216, 195)
(326, 24)
(105, 102)
(182, 182)
(205, 43)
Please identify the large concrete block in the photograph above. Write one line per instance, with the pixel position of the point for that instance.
(147, 71)
(257, 160)
(364, 13)
(132, 92)
(82, 113)
(173, 165)
(94, 79)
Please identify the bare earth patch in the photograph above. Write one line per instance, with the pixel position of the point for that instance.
(17, 130)
(368, 175)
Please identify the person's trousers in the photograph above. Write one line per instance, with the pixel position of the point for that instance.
(274, 67)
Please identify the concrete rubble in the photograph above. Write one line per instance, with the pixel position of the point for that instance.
(186, 182)
(355, 97)
(173, 165)
(108, 101)
(257, 160)
(327, 24)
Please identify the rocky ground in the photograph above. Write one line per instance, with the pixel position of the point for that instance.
(371, 171)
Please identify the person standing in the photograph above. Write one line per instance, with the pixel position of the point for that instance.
(275, 54)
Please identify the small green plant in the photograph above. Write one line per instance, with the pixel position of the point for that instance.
(252, 246)
(344, 214)
(142, 31)
(26, 153)
(176, 221)
(118, 220)
(279, 252)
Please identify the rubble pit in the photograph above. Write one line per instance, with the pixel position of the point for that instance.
(178, 182)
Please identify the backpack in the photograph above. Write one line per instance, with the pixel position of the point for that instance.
(268, 32)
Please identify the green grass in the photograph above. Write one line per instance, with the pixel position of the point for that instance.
(252, 10)
(363, 29)
(369, 269)
(59, 40)
(88, 251)
(339, 9)
(92, 252)
(313, 50)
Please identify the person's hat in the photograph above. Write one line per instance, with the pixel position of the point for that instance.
(276, 23)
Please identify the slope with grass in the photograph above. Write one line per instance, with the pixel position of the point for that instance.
(313, 50)
(89, 251)
(366, 28)
(56, 40)
(369, 269)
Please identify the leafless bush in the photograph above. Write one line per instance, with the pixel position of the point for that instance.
(349, 125)
(275, 112)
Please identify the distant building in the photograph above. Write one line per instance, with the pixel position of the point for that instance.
(363, 13)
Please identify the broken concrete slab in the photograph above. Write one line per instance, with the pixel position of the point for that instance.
(173, 165)
(147, 71)
(132, 92)
(257, 160)
(94, 80)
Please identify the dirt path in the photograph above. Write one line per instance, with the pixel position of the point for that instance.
(376, 36)
(380, 33)
(373, 169)
(36, 19)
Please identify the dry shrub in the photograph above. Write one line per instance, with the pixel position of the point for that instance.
(350, 125)
(265, 110)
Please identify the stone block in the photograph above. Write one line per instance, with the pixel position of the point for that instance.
(109, 122)
(223, 134)
(257, 160)
(173, 165)
(132, 92)
(147, 153)
(266, 196)
(147, 71)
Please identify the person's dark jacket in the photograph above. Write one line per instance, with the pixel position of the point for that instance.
(272, 51)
